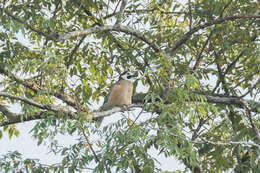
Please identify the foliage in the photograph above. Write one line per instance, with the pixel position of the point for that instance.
(199, 60)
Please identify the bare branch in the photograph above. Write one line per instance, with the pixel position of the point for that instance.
(186, 36)
(59, 37)
(124, 29)
(87, 31)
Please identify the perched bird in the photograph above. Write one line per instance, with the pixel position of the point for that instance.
(120, 93)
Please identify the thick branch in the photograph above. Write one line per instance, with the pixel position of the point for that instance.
(13, 118)
(58, 37)
(235, 101)
(120, 28)
(96, 115)
(186, 36)
(137, 100)
(33, 86)
(9, 115)
(33, 103)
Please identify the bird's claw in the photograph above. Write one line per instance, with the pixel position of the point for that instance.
(124, 108)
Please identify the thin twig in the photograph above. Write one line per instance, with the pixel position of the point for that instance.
(68, 63)
(190, 15)
(202, 50)
(248, 113)
(145, 11)
(52, 36)
(203, 141)
(249, 90)
(121, 10)
(220, 74)
(88, 142)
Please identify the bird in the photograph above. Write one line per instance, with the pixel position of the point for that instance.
(120, 93)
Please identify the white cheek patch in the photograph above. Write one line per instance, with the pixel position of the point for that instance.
(124, 77)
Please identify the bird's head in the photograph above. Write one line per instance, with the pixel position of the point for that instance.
(128, 76)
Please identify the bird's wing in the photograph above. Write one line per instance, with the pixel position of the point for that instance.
(106, 99)
(105, 105)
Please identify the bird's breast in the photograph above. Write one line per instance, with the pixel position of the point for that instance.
(121, 93)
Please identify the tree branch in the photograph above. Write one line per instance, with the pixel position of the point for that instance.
(186, 36)
(248, 113)
(226, 143)
(220, 74)
(13, 118)
(202, 50)
(36, 88)
(9, 115)
(141, 11)
(33, 103)
(250, 89)
(96, 115)
(120, 28)
(121, 10)
(59, 37)
(53, 36)
(70, 58)
(236, 101)
(190, 14)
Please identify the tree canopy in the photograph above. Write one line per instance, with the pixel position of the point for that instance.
(198, 59)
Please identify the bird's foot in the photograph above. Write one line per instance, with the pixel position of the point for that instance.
(124, 108)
